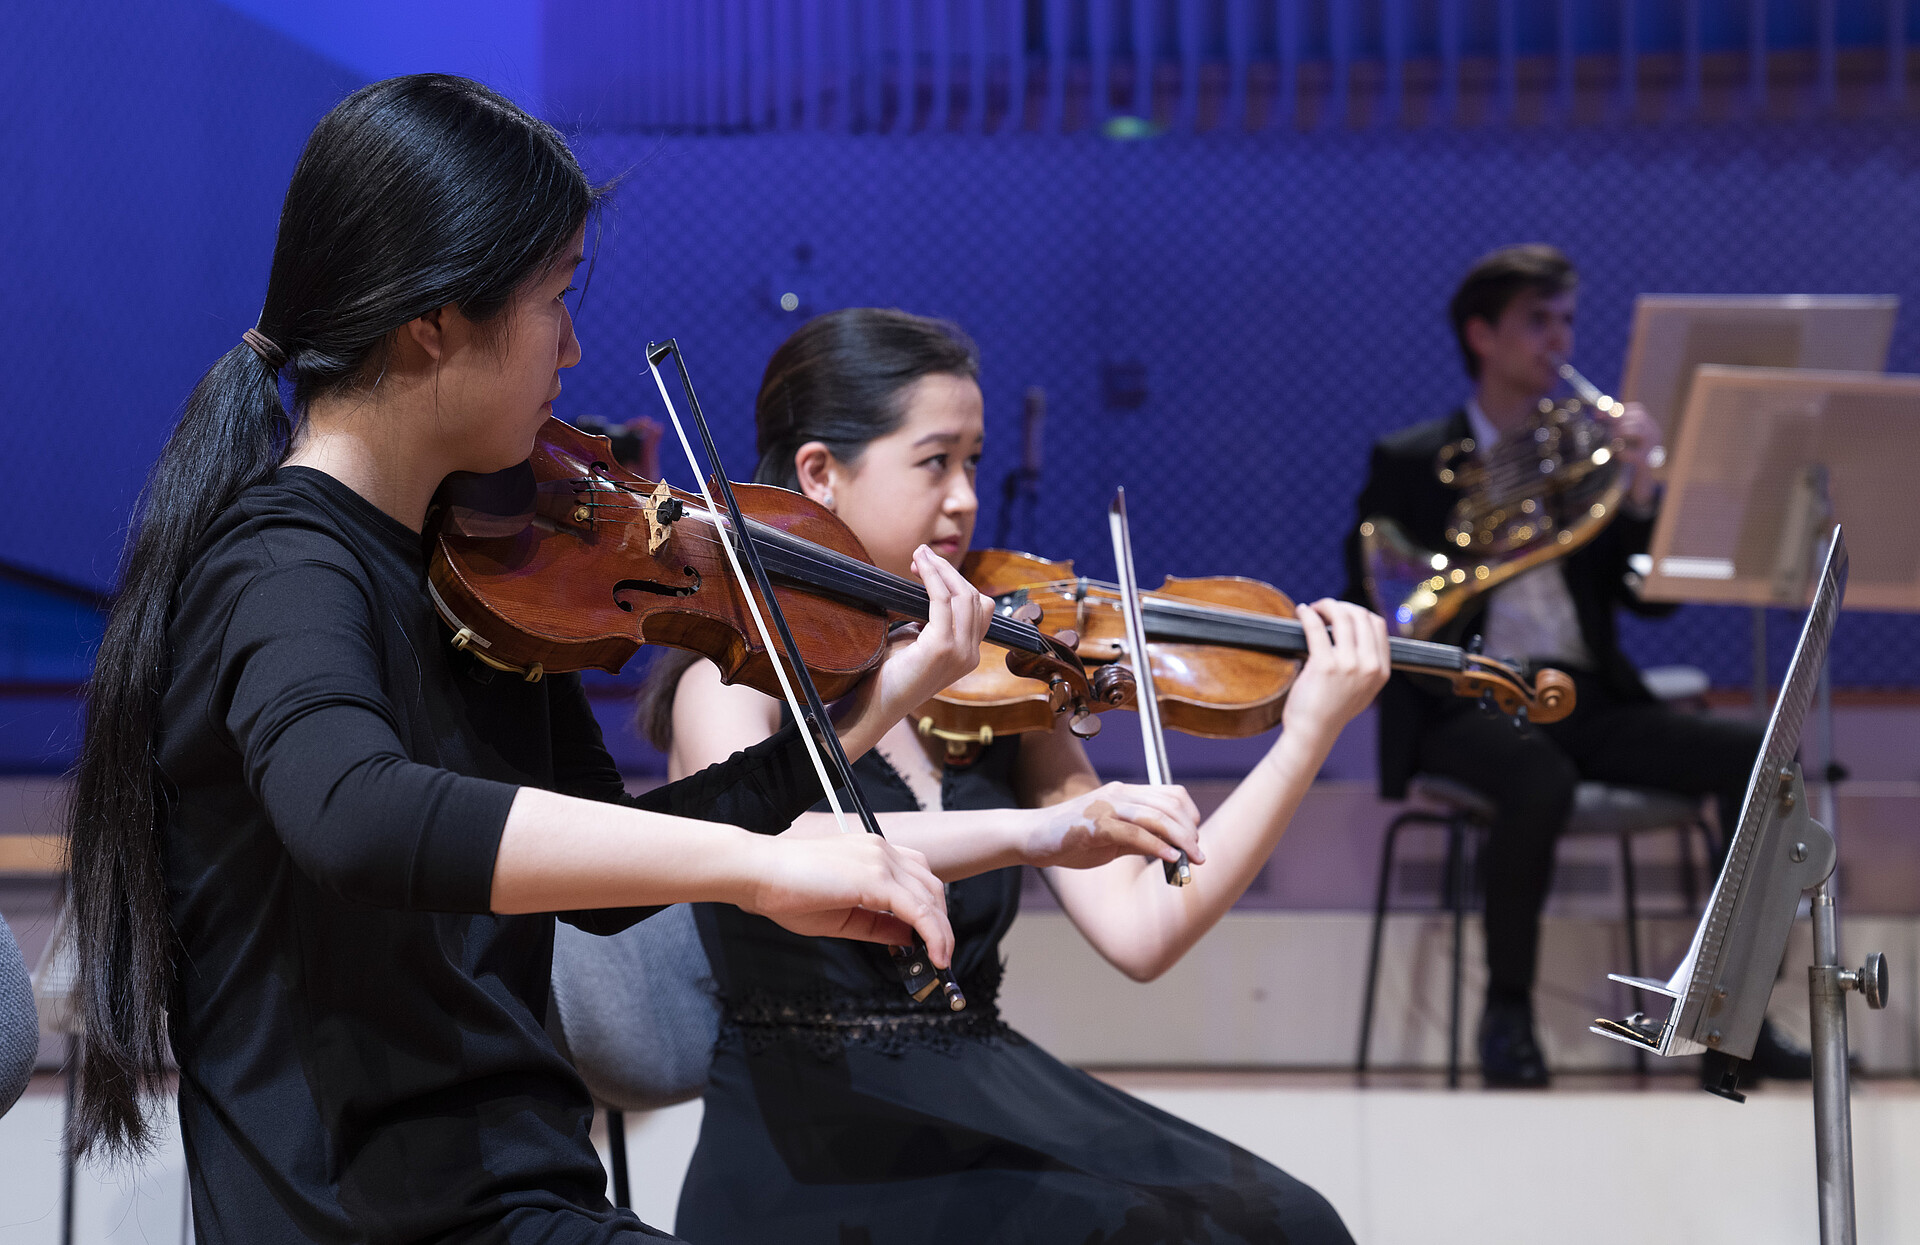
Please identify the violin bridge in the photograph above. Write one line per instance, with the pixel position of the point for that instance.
(662, 510)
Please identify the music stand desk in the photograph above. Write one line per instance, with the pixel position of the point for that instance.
(1673, 334)
(1744, 505)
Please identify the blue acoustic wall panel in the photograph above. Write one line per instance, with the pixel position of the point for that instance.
(1280, 299)
(143, 156)
(144, 150)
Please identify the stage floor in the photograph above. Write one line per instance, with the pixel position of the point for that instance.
(1598, 1158)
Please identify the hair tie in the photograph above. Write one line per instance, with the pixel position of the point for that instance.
(262, 345)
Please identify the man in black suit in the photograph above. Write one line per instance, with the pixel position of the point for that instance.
(1513, 319)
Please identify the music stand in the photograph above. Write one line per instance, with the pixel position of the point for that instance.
(1720, 991)
(1763, 455)
(1674, 334)
(1767, 460)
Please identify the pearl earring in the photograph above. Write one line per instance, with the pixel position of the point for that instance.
(827, 501)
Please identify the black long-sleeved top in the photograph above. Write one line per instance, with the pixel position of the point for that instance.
(361, 1043)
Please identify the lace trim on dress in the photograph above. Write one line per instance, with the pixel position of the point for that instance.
(826, 1022)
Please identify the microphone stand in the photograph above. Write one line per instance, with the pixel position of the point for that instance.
(1020, 487)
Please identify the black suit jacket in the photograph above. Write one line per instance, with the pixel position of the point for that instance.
(1402, 485)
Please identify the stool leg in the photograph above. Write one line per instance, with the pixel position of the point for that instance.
(1457, 874)
(1689, 881)
(617, 1151)
(1373, 947)
(1631, 895)
(66, 1140)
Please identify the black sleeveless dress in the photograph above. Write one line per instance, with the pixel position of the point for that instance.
(839, 1112)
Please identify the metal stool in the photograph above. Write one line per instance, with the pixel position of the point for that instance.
(1603, 809)
(1466, 815)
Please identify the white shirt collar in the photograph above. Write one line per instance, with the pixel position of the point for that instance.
(1485, 434)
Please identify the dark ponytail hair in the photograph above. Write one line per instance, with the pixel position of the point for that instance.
(842, 380)
(412, 194)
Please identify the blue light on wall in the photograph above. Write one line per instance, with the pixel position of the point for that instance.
(499, 42)
(1229, 309)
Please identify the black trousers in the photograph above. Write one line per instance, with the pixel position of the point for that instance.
(1531, 777)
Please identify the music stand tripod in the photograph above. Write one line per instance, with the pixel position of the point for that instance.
(1767, 461)
(1720, 991)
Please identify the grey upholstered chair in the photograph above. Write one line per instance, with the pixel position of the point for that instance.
(19, 1022)
(637, 1013)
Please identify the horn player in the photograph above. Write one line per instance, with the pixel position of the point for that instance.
(1513, 318)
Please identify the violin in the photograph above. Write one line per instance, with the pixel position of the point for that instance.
(571, 561)
(1224, 652)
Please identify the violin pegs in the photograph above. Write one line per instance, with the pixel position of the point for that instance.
(1029, 613)
(1487, 705)
(1084, 725)
(1521, 724)
(1069, 637)
(1475, 642)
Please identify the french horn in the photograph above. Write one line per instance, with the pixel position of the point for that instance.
(1536, 496)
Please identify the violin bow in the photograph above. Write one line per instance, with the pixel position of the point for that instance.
(916, 969)
(1152, 735)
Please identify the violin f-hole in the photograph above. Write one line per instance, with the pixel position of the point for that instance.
(657, 588)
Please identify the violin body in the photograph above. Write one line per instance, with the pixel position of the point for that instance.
(570, 561)
(1204, 689)
(1225, 652)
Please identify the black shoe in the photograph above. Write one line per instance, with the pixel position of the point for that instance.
(1509, 1056)
(1776, 1055)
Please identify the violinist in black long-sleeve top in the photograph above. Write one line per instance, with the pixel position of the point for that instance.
(317, 852)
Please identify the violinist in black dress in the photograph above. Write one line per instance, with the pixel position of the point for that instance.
(316, 851)
(837, 1111)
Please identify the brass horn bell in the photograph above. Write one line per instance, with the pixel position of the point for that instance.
(1536, 496)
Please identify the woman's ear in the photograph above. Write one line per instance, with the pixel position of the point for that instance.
(818, 470)
(427, 333)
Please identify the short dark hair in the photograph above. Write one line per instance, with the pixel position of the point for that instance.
(1497, 278)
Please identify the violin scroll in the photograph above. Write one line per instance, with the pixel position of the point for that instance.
(1068, 688)
(1553, 695)
(1547, 697)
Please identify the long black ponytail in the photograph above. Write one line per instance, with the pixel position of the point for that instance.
(412, 194)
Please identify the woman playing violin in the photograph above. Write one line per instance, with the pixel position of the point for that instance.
(837, 1110)
(315, 849)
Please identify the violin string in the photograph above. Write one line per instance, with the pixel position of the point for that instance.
(1437, 656)
(874, 580)
(760, 623)
(1424, 653)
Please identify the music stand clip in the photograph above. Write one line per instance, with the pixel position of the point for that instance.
(1724, 1005)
